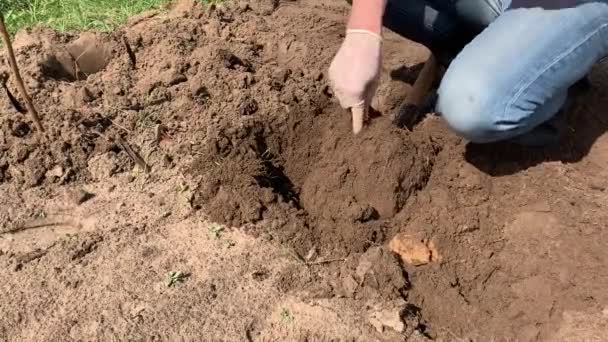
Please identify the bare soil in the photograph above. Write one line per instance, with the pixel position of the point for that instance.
(206, 141)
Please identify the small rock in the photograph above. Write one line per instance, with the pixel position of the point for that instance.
(412, 250)
(278, 79)
(469, 176)
(200, 93)
(243, 6)
(367, 261)
(87, 95)
(362, 213)
(319, 76)
(597, 186)
(80, 196)
(55, 172)
(168, 161)
(20, 129)
(260, 275)
(120, 205)
(390, 318)
(35, 172)
(231, 61)
(159, 95)
(212, 28)
(33, 84)
(350, 285)
(268, 196)
(247, 80)
(20, 153)
(265, 7)
(311, 253)
(248, 106)
(173, 77)
(103, 166)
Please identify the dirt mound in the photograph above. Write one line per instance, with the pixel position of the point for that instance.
(224, 113)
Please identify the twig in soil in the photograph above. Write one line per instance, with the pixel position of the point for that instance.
(18, 107)
(132, 154)
(132, 57)
(489, 275)
(18, 79)
(119, 126)
(41, 225)
(137, 159)
(328, 261)
(160, 133)
(77, 69)
(76, 74)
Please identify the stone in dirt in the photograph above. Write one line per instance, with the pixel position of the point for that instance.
(80, 196)
(413, 250)
(387, 318)
(103, 166)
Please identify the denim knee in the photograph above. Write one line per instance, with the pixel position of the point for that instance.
(466, 105)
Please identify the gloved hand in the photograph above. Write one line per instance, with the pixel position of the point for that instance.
(355, 71)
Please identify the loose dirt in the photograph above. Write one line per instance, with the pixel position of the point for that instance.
(207, 141)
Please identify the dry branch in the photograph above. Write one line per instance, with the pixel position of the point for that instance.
(18, 79)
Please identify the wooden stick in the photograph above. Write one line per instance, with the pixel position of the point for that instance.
(132, 154)
(423, 83)
(18, 79)
(321, 262)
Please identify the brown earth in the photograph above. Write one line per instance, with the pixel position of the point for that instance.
(230, 114)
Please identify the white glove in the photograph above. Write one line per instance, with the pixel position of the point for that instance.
(355, 71)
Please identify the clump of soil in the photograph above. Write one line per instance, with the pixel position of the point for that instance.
(229, 109)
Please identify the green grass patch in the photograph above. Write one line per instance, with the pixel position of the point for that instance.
(67, 15)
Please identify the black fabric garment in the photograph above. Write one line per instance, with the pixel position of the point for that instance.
(546, 4)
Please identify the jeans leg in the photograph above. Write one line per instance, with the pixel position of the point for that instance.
(443, 26)
(422, 22)
(515, 75)
(478, 14)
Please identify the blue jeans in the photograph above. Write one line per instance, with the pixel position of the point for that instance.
(509, 68)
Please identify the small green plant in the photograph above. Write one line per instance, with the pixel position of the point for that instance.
(216, 231)
(176, 277)
(146, 120)
(229, 244)
(41, 214)
(286, 316)
(66, 15)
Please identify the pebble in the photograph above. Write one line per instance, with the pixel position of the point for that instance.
(387, 319)
(80, 196)
(413, 250)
